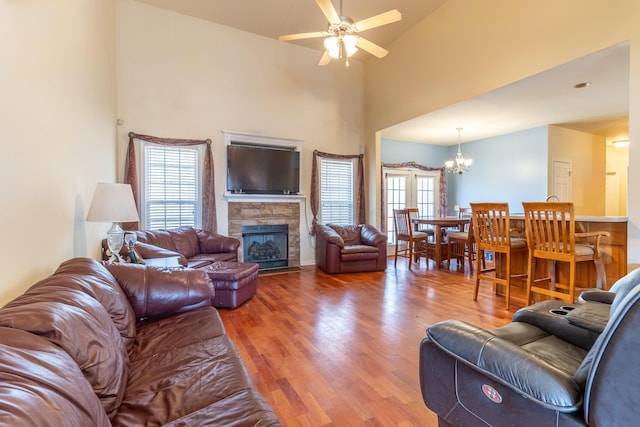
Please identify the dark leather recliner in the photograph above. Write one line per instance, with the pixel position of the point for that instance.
(350, 248)
(555, 364)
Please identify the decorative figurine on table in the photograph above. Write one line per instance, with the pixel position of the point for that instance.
(130, 240)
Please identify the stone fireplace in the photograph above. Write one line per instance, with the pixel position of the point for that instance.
(268, 214)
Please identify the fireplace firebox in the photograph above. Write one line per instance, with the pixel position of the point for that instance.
(266, 244)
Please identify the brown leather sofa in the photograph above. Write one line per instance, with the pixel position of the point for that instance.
(122, 345)
(217, 255)
(556, 364)
(194, 248)
(350, 248)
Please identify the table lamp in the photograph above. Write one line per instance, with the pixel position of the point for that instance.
(113, 203)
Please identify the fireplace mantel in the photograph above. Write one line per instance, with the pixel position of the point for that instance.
(264, 198)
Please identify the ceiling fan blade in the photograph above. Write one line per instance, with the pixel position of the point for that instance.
(371, 47)
(325, 58)
(329, 11)
(299, 36)
(378, 20)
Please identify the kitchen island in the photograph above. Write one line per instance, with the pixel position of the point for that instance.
(613, 248)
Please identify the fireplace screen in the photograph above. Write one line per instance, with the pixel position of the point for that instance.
(267, 245)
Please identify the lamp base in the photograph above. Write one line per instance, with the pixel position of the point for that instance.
(115, 241)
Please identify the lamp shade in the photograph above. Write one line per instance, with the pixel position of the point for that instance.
(113, 203)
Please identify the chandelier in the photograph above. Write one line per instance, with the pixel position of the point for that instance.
(460, 164)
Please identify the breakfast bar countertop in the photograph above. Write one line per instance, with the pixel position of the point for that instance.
(584, 218)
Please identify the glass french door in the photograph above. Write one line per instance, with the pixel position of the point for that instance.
(410, 188)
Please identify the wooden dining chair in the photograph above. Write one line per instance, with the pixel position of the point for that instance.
(416, 241)
(492, 232)
(461, 244)
(462, 213)
(551, 237)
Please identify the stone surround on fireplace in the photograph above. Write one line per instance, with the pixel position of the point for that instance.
(267, 213)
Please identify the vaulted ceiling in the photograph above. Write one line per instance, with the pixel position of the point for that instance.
(547, 98)
(272, 18)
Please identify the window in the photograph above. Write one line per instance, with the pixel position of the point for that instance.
(171, 186)
(426, 191)
(337, 191)
(410, 188)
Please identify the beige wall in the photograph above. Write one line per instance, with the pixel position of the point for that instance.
(57, 119)
(469, 47)
(587, 154)
(183, 77)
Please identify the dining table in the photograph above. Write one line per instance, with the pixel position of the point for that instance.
(438, 225)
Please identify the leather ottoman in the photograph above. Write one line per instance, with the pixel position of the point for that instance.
(234, 282)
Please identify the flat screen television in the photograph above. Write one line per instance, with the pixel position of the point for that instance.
(262, 170)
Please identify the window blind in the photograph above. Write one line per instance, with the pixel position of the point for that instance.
(171, 187)
(336, 191)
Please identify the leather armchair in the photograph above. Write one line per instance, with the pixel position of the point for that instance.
(555, 364)
(350, 248)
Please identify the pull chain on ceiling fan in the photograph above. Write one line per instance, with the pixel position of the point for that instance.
(341, 38)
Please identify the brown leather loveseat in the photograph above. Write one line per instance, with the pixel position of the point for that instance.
(213, 253)
(350, 248)
(193, 247)
(123, 345)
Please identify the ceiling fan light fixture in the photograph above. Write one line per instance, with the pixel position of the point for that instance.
(340, 39)
(338, 47)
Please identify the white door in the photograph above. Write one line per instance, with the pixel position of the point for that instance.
(562, 184)
(410, 188)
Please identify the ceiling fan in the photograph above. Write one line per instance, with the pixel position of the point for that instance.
(341, 37)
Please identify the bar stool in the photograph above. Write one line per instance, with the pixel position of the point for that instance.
(551, 237)
(492, 230)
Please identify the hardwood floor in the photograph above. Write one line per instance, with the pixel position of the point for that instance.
(342, 350)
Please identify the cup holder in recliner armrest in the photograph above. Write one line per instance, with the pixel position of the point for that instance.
(563, 310)
(552, 316)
